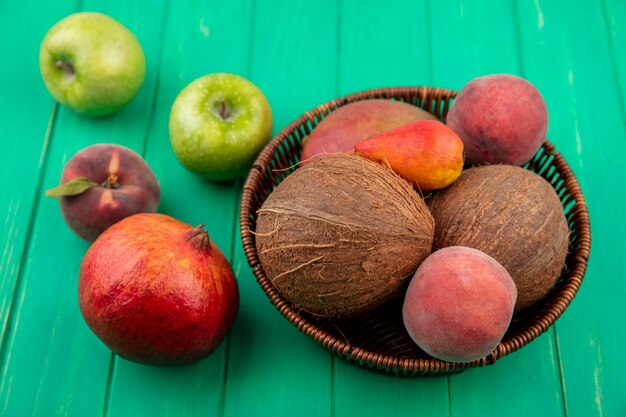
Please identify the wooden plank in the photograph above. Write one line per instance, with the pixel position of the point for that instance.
(273, 368)
(580, 80)
(614, 14)
(462, 46)
(514, 384)
(27, 119)
(474, 39)
(54, 364)
(384, 44)
(199, 38)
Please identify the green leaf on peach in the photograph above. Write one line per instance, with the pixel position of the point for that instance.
(74, 186)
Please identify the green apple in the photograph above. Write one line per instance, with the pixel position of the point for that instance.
(91, 63)
(218, 125)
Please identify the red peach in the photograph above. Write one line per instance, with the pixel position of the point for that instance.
(501, 118)
(459, 304)
(123, 184)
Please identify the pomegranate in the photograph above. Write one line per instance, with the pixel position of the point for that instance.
(156, 290)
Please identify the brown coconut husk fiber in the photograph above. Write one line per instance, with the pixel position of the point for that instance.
(341, 235)
(511, 214)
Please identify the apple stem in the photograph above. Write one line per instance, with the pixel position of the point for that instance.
(224, 113)
(111, 182)
(68, 69)
(199, 237)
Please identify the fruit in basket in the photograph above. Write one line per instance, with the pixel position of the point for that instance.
(459, 304)
(349, 124)
(102, 184)
(511, 214)
(341, 235)
(92, 63)
(157, 291)
(427, 153)
(501, 118)
(218, 125)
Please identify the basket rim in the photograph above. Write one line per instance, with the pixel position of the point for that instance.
(412, 366)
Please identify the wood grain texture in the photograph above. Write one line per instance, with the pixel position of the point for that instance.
(614, 17)
(384, 52)
(27, 119)
(577, 73)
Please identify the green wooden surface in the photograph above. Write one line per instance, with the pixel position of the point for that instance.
(302, 54)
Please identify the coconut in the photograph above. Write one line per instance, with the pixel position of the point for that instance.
(342, 235)
(511, 214)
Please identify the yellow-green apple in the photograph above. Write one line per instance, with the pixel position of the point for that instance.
(101, 185)
(349, 124)
(91, 63)
(427, 153)
(218, 125)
